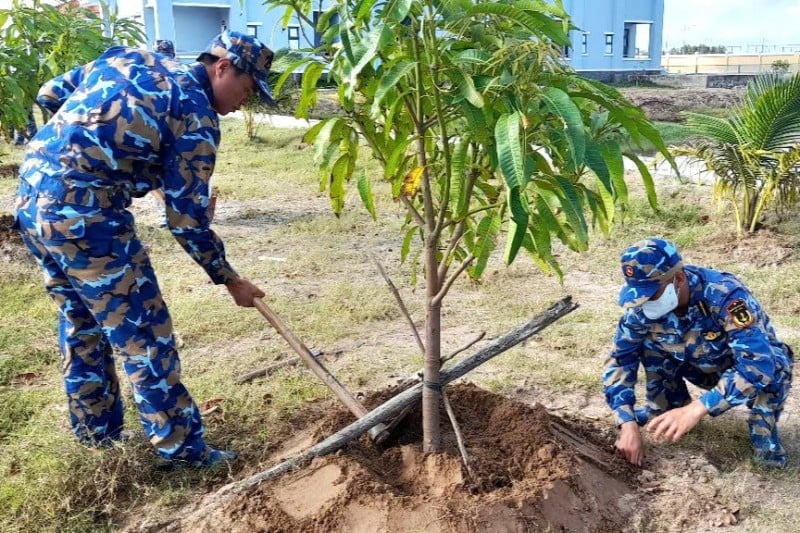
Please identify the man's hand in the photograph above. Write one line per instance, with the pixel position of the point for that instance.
(676, 423)
(629, 443)
(243, 291)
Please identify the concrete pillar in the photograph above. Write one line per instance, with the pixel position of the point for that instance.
(164, 20)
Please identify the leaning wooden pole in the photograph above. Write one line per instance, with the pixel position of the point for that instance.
(391, 407)
(396, 404)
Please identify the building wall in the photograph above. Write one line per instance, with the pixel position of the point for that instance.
(730, 63)
(191, 24)
(599, 20)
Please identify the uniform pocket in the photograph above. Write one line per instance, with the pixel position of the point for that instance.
(60, 226)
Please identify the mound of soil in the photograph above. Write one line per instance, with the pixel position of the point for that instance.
(667, 104)
(528, 471)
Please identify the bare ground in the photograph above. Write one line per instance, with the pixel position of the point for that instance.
(667, 104)
(541, 458)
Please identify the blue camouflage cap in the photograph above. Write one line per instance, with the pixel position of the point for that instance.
(645, 265)
(246, 53)
(165, 46)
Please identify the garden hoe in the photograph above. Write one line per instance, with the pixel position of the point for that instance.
(379, 433)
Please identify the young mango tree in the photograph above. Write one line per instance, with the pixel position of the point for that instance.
(482, 131)
(755, 153)
(39, 41)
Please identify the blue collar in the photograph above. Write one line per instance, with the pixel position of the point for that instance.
(199, 70)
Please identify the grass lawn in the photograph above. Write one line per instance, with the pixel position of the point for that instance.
(319, 276)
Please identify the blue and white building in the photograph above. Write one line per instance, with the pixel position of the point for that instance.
(615, 37)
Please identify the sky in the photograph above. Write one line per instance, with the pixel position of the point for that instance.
(771, 23)
(746, 24)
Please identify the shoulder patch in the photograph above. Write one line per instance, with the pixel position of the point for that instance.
(740, 314)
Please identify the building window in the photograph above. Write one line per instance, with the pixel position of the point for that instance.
(636, 43)
(252, 29)
(294, 37)
(566, 51)
(609, 44)
(317, 35)
(585, 43)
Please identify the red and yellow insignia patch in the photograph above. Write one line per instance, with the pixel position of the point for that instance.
(711, 335)
(629, 271)
(740, 314)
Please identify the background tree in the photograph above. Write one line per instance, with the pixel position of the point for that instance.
(755, 152)
(40, 41)
(481, 131)
(698, 49)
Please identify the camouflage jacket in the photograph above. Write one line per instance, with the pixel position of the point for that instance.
(128, 123)
(725, 332)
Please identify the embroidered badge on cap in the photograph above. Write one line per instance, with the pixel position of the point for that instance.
(740, 314)
(711, 335)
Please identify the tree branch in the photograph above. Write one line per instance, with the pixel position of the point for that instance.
(447, 284)
(402, 305)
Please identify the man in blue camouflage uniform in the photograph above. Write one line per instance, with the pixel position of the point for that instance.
(128, 123)
(687, 323)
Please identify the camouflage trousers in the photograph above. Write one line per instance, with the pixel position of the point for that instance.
(99, 274)
(666, 389)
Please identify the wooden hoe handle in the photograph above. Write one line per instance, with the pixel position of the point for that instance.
(378, 433)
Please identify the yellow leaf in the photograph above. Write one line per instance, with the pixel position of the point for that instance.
(411, 182)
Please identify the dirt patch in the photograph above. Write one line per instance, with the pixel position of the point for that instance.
(765, 248)
(530, 471)
(11, 246)
(667, 104)
(9, 171)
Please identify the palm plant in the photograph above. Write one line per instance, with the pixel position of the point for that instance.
(754, 153)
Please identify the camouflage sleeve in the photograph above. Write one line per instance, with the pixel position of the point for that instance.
(621, 369)
(753, 361)
(52, 94)
(186, 189)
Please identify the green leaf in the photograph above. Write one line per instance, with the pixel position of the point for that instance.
(406, 247)
(573, 211)
(647, 179)
(613, 158)
(559, 102)
(396, 10)
(509, 150)
(596, 162)
(517, 225)
(308, 95)
(458, 177)
(389, 82)
(487, 231)
(338, 176)
(328, 135)
(365, 191)
(395, 162)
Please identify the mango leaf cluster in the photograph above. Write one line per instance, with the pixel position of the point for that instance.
(39, 41)
(478, 123)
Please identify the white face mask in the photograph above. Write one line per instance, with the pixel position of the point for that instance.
(667, 302)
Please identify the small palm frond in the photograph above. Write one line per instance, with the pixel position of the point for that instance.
(716, 128)
(770, 113)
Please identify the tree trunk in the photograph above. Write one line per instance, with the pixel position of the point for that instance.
(432, 389)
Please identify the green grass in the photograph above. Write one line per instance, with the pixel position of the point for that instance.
(319, 276)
